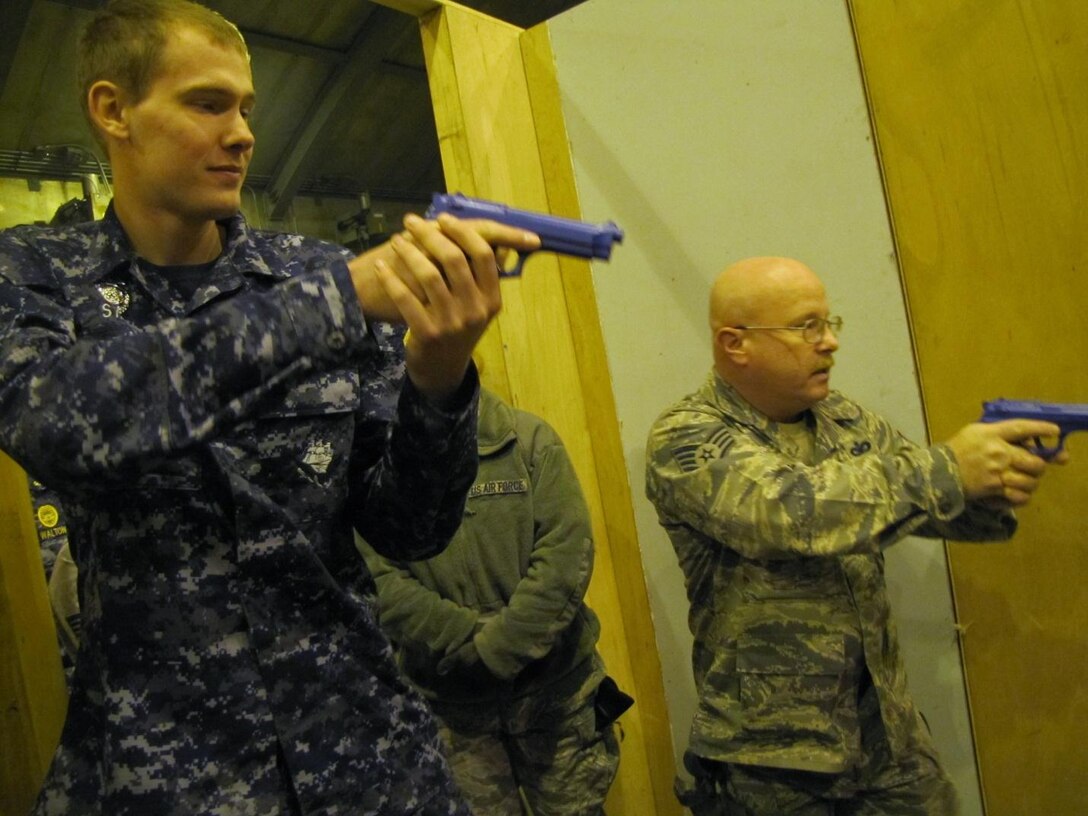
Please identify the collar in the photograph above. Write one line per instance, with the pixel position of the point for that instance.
(112, 249)
(831, 413)
(496, 425)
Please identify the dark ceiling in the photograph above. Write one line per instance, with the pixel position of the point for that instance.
(344, 105)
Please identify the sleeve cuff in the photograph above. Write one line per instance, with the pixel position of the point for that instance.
(947, 499)
(442, 421)
(505, 668)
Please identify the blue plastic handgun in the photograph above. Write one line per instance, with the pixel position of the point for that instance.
(566, 236)
(1069, 416)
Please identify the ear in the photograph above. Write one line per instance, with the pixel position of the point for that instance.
(106, 104)
(730, 343)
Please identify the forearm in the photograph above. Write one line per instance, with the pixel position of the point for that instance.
(371, 295)
(409, 501)
(414, 614)
(552, 590)
(529, 626)
(976, 521)
(766, 505)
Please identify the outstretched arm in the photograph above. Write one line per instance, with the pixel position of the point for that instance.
(764, 504)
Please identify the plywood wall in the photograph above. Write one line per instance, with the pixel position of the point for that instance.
(981, 118)
(712, 131)
(502, 137)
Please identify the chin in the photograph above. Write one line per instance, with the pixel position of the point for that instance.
(812, 401)
(218, 212)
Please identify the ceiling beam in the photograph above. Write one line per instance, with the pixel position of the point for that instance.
(417, 8)
(520, 13)
(285, 45)
(364, 57)
(515, 12)
(88, 5)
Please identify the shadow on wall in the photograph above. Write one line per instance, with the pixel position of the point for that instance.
(666, 254)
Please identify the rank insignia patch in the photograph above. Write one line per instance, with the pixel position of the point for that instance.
(699, 455)
(117, 299)
(318, 457)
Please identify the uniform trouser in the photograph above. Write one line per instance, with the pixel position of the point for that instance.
(549, 745)
(910, 785)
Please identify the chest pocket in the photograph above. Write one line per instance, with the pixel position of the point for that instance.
(336, 392)
(303, 443)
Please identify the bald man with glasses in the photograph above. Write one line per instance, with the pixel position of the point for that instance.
(779, 496)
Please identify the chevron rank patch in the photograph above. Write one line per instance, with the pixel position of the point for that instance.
(699, 455)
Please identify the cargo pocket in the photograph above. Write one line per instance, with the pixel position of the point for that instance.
(790, 684)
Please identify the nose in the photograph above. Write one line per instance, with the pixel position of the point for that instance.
(239, 136)
(829, 340)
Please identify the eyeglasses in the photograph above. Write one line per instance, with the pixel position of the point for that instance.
(812, 330)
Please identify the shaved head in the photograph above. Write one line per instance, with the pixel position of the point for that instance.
(744, 291)
(756, 304)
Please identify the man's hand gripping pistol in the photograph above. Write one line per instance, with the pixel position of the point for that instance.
(566, 236)
(1068, 416)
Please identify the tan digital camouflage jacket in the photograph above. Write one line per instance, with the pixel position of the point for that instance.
(784, 569)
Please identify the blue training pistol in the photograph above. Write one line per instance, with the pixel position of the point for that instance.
(1069, 416)
(566, 236)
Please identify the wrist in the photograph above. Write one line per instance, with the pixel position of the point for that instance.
(448, 395)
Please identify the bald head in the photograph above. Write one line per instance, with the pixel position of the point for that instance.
(748, 292)
(754, 304)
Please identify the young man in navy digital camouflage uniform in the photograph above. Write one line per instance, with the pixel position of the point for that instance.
(214, 410)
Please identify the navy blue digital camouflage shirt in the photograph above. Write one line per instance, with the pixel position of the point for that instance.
(213, 451)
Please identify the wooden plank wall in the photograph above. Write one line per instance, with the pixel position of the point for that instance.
(33, 697)
(981, 118)
(502, 137)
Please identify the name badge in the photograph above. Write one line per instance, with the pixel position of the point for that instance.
(499, 487)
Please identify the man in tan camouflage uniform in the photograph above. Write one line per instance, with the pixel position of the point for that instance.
(779, 496)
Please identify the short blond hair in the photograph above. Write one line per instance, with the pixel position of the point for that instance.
(123, 42)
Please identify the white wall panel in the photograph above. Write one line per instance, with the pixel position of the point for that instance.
(711, 131)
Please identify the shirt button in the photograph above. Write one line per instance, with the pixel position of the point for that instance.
(336, 340)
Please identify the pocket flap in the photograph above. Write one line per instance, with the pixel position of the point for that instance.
(327, 393)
